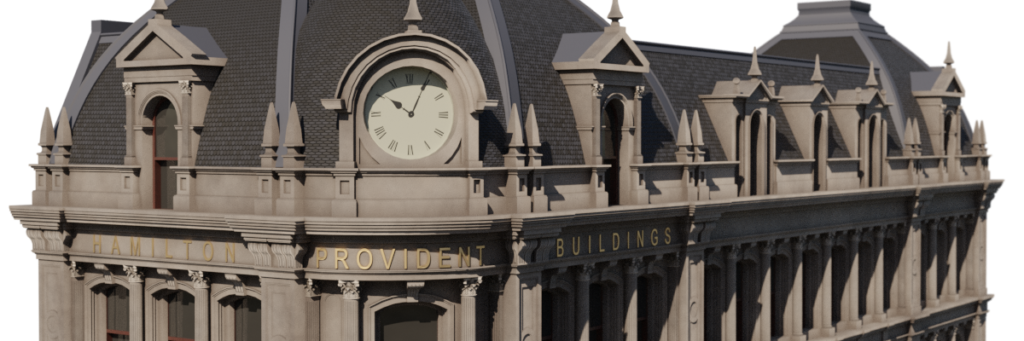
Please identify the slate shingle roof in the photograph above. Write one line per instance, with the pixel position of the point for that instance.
(900, 65)
(98, 134)
(842, 50)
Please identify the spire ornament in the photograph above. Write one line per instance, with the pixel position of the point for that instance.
(159, 6)
(949, 55)
(615, 15)
(755, 69)
(412, 16)
(817, 78)
(871, 83)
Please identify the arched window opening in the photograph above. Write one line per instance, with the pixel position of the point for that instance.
(947, 133)
(165, 152)
(874, 150)
(181, 316)
(407, 322)
(596, 312)
(611, 140)
(820, 146)
(547, 311)
(755, 137)
(643, 320)
(248, 312)
(118, 310)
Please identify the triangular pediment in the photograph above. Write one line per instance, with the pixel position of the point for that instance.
(611, 50)
(153, 48)
(161, 44)
(621, 55)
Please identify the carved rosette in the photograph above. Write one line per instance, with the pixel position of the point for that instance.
(129, 89)
(312, 290)
(470, 286)
(186, 87)
(198, 281)
(133, 273)
(584, 272)
(349, 289)
(76, 271)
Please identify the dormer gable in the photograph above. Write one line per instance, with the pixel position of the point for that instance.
(161, 44)
(750, 89)
(610, 50)
(937, 82)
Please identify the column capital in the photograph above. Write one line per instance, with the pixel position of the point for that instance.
(186, 86)
(129, 89)
(133, 273)
(769, 247)
(800, 244)
(470, 286)
(349, 289)
(597, 89)
(312, 290)
(854, 236)
(198, 281)
(829, 240)
(584, 272)
(639, 90)
(633, 265)
(880, 233)
(734, 252)
(76, 271)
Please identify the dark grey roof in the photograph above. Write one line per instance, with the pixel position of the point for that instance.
(238, 101)
(900, 64)
(98, 134)
(836, 50)
(924, 80)
(202, 38)
(573, 45)
(334, 32)
(535, 28)
(833, 15)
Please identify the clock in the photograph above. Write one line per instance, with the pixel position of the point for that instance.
(409, 113)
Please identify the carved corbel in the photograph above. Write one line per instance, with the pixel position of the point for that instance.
(108, 277)
(134, 274)
(237, 283)
(76, 271)
(172, 283)
(185, 86)
(633, 265)
(470, 286)
(585, 272)
(312, 290)
(413, 290)
(198, 281)
(129, 89)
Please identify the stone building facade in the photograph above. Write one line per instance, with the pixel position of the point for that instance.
(504, 170)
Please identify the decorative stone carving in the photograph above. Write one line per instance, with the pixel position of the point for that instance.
(198, 281)
(413, 290)
(769, 248)
(598, 88)
(829, 239)
(172, 283)
(129, 89)
(76, 271)
(639, 92)
(186, 87)
(237, 283)
(312, 290)
(133, 273)
(633, 265)
(800, 244)
(349, 289)
(585, 272)
(470, 286)
(734, 252)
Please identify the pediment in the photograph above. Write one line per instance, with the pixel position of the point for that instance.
(938, 82)
(161, 44)
(609, 50)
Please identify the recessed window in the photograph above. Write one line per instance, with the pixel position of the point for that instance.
(165, 152)
(596, 312)
(181, 316)
(118, 310)
(407, 322)
(247, 319)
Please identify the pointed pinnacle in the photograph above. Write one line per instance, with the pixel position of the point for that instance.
(413, 14)
(271, 129)
(515, 128)
(817, 77)
(871, 83)
(683, 137)
(293, 133)
(949, 55)
(159, 6)
(976, 137)
(908, 133)
(615, 15)
(984, 135)
(755, 69)
(917, 133)
(46, 133)
(696, 130)
(532, 131)
(63, 129)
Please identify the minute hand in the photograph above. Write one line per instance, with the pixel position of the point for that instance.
(422, 88)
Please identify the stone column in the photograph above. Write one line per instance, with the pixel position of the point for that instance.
(823, 299)
(851, 292)
(135, 302)
(185, 119)
(630, 326)
(876, 290)
(949, 290)
(468, 324)
(129, 123)
(677, 292)
(349, 310)
(693, 277)
(201, 285)
(794, 321)
(932, 284)
(77, 305)
(583, 302)
(729, 330)
(765, 318)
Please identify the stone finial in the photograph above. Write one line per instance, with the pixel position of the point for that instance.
(271, 131)
(817, 78)
(532, 130)
(755, 69)
(908, 136)
(63, 129)
(696, 130)
(683, 137)
(46, 133)
(293, 135)
(412, 16)
(615, 15)
(871, 83)
(159, 6)
(949, 55)
(515, 128)
(917, 134)
(984, 135)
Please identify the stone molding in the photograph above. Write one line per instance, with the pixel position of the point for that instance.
(470, 286)
(198, 281)
(312, 290)
(134, 274)
(350, 289)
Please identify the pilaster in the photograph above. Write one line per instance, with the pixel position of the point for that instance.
(932, 261)
(850, 304)
(632, 268)
(201, 286)
(876, 290)
(467, 327)
(284, 308)
(729, 330)
(583, 275)
(823, 300)
(135, 302)
(794, 320)
(129, 123)
(765, 300)
(349, 310)
(949, 289)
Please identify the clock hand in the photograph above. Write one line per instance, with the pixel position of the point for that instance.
(398, 105)
(424, 87)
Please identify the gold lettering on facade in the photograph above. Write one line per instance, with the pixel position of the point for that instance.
(600, 243)
(359, 259)
(465, 257)
(419, 258)
(405, 259)
(97, 244)
(616, 241)
(343, 260)
(321, 254)
(559, 248)
(229, 250)
(668, 235)
(115, 246)
(654, 237)
(167, 249)
(627, 241)
(441, 258)
(387, 262)
(640, 239)
(480, 253)
(188, 243)
(136, 247)
(576, 246)
(210, 257)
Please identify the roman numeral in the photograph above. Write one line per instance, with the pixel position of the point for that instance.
(410, 150)
(393, 83)
(380, 132)
(428, 145)
(438, 97)
(393, 146)
(443, 114)
(439, 132)
(409, 78)
(375, 114)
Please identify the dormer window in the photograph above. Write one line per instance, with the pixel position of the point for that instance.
(165, 152)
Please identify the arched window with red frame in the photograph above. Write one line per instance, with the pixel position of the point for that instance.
(165, 152)
(118, 310)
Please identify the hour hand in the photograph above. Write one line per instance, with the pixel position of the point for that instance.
(398, 105)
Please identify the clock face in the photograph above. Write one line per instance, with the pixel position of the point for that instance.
(409, 113)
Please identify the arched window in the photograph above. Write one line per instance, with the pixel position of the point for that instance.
(248, 312)
(874, 152)
(181, 316)
(611, 141)
(407, 322)
(118, 310)
(165, 151)
(596, 312)
(643, 320)
(820, 151)
(755, 139)
(947, 133)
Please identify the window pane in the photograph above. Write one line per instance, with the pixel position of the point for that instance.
(167, 184)
(408, 322)
(118, 309)
(181, 315)
(247, 320)
(166, 135)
